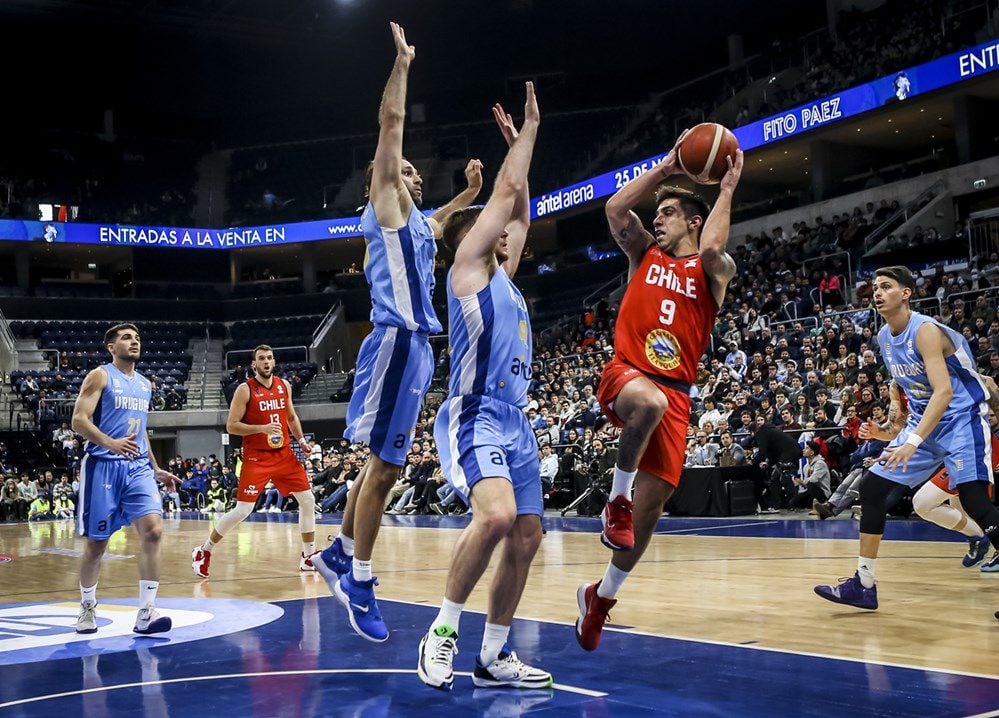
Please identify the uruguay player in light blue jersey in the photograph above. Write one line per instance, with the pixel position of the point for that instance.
(947, 424)
(487, 449)
(118, 476)
(395, 364)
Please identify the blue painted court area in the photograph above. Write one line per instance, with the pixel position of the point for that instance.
(307, 663)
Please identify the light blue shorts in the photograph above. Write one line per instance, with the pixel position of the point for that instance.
(479, 438)
(394, 369)
(962, 443)
(114, 493)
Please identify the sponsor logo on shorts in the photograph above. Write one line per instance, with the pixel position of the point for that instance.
(662, 349)
(251, 490)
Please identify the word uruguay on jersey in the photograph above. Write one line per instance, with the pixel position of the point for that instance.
(131, 403)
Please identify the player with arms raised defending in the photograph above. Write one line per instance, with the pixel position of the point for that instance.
(263, 414)
(118, 476)
(488, 451)
(395, 364)
(948, 423)
(677, 280)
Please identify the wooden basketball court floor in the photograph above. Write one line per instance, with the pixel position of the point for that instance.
(718, 619)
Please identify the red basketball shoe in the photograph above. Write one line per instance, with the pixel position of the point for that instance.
(199, 562)
(619, 529)
(593, 614)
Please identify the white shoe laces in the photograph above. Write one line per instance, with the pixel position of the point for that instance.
(444, 649)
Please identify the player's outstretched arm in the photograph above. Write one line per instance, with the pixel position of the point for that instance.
(389, 196)
(718, 263)
(237, 410)
(473, 176)
(83, 412)
(479, 244)
(931, 345)
(520, 215)
(629, 233)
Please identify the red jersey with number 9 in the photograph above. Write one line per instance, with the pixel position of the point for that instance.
(266, 406)
(665, 321)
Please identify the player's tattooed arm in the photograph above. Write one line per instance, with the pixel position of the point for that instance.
(625, 226)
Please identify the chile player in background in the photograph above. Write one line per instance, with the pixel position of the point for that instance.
(677, 280)
(118, 476)
(263, 414)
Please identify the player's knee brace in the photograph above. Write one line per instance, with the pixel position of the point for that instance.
(232, 519)
(977, 504)
(927, 499)
(873, 503)
(306, 511)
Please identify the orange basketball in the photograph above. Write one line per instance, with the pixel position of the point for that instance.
(703, 151)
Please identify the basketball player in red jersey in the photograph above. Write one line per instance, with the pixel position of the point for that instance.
(678, 275)
(263, 414)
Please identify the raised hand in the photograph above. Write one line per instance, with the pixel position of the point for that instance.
(669, 165)
(473, 174)
(731, 178)
(531, 112)
(505, 122)
(402, 48)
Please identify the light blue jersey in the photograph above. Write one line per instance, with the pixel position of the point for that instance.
(399, 266)
(907, 369)
(122, 411)
(481, 429)
(490, 338)
(961, 440)
(115, 490)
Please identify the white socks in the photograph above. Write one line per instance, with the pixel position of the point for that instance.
(362, 570)
(622, 483)
(88, 595)
(865, 569)
(348, 544)
(611, 582)
(208, 545)
(147, 593)
(493, 639)
(308, 548)
(450, 615)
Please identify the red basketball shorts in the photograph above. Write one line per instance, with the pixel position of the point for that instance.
(665, 453)
(281, 467)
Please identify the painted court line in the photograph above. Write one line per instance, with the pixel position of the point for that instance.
(716, 528)
(227, 676)
(730, 644)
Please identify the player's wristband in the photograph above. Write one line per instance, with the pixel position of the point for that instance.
(914, 440)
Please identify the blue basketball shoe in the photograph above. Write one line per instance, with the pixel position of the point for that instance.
(358, 597)
(978, 549)
(992, 565)
(851, 592)
(332, 563)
